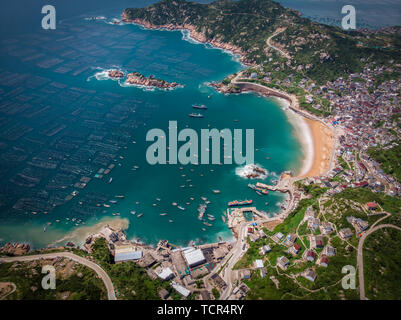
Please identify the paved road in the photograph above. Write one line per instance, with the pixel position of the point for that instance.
(234, 256)
(278, 31)
(360, 256)
(99, 271)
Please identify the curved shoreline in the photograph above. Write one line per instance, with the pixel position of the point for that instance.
(307, 129)
(304, 135)
(311, 132)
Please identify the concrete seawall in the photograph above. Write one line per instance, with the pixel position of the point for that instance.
(269, 92)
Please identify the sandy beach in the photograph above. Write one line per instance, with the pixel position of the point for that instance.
(316, 140)
(323, 140)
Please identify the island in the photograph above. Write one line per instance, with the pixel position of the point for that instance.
(137, 78)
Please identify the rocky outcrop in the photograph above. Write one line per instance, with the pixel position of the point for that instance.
(222, 88)
(138, 79)
(116, 74)
(15, 249)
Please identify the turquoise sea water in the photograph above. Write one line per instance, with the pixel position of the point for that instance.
(94, 46)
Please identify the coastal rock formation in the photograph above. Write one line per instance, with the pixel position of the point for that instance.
(251, 171)
(115, 74)
(112, 235)
(223, 88)
(199, 36)
(15, 249)
(139, 79)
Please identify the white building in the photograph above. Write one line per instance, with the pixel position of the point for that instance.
(258, 264)
(166, 274)
(180, 289)
(194, 257)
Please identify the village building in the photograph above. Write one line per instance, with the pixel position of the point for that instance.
(345, 233)
(329, 251)
(310, 275)
(283, 262)
(295, 249)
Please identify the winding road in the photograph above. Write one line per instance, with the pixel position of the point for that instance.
(360, 256)
(278, 31)
(95, 267)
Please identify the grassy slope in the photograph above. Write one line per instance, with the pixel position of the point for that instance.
(382, 264)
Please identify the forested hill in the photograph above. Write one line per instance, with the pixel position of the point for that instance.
(321, 52)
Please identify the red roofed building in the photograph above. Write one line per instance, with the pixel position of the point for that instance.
(371, 205)
(324, 262)
(295, 248)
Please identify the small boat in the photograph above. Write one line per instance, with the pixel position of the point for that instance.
(120, 197)
(111, 180)
(196, 115)
(203, 229)
(216, 191)
(201, 106)
(223, 218)
(106, 205)
(140, 215)
(113, 201)
(207, 224)
(163, 214)
(174, 203)
(158, 199)
(211, 219)
(181, 208)
(132, 212)
(204, 199)
(171, 221)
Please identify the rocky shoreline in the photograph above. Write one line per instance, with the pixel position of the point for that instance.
(15, 249)
(194, 34)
